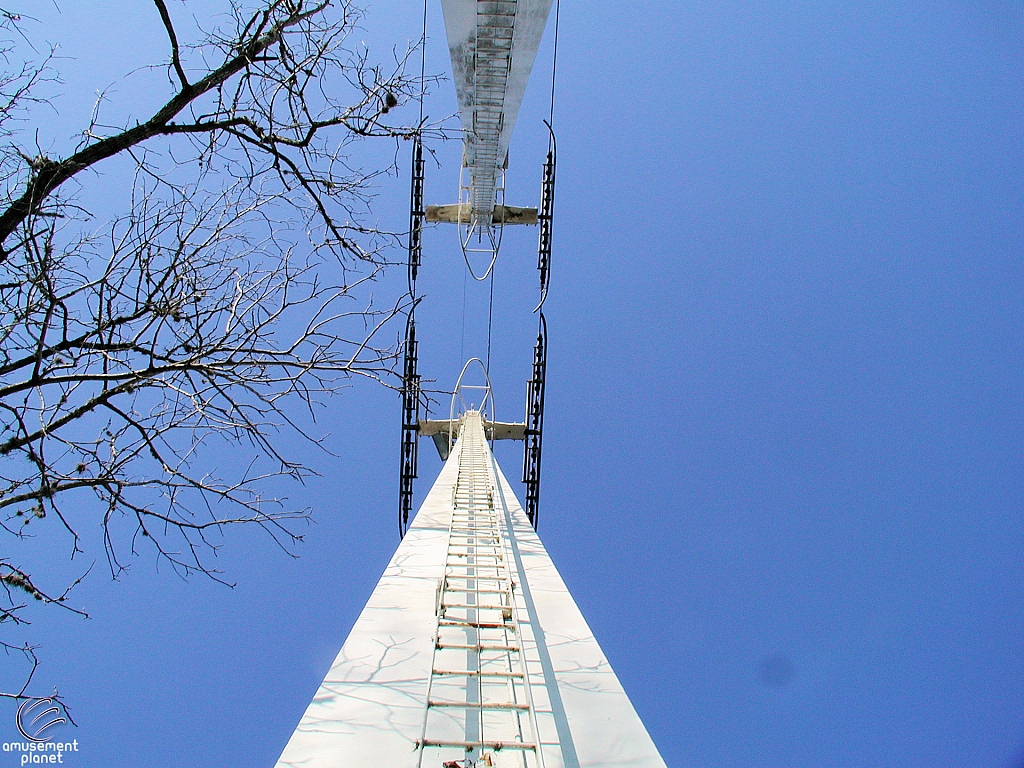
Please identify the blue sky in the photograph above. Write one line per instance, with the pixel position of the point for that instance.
(783, 451)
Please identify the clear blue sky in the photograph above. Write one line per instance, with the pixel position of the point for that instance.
(783, 460)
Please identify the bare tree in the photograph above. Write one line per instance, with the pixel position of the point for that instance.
(229, 287)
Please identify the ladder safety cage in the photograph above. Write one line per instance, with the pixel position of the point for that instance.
(486, 402)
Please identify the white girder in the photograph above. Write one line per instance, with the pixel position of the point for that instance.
(493, 45)
(471, 649)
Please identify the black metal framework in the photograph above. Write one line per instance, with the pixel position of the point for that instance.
(416, 213)
(545, 216)
(535, 423)
(534, 431)
(410, 424)
(410, 377)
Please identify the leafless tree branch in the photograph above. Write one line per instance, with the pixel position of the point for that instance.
(150, 359)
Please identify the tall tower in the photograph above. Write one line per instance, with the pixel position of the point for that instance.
(470, 651)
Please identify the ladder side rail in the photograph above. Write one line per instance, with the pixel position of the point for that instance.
(423, 742)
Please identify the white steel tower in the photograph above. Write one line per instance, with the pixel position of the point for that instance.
(471, 652)
(471, 649)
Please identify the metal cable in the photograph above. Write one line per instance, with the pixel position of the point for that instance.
(423, 61)
(554, 66)
(462, 345)
(490, 315)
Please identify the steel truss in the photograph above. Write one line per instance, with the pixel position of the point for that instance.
(534, 431)
(410, 376)
(416, 213)
(545, 217)
(410, 424)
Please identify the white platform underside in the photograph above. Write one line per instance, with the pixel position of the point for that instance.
(493, 46)
(370, 709)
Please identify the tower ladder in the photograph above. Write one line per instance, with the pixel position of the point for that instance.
(479, 697)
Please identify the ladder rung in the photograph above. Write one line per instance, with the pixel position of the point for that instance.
(498, 585)
(475, 524)
(500, 566)
(490, 557)
(479, 647)
(476, 530)
(476, 624)
(459, 563)
(511, 706)
(495, 551)
(480, 531)
(478, 607)
(497, 746)
(471, 673)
